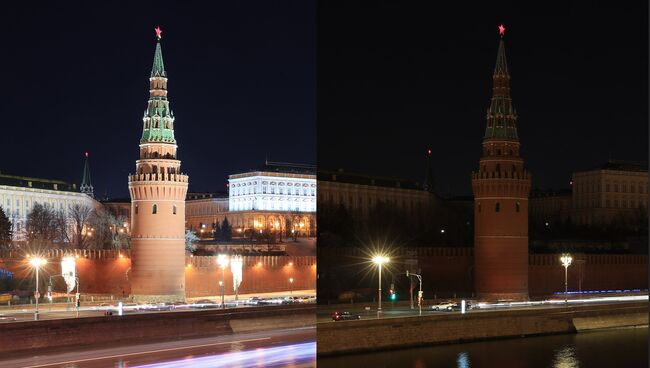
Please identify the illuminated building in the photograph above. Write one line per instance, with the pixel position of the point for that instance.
(501, 188)
(158, 190)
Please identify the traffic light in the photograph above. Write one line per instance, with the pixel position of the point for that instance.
(392, 294)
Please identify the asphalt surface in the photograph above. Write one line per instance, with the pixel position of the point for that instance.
(324, 314)
(278, 348)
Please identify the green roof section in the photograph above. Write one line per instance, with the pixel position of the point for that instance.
(161, 118)
(502, 65)
(158, 69)
(501, 116)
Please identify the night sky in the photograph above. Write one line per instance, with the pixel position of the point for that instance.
(394, 80)
(242, 77)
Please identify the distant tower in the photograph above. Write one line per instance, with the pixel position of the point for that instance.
(429, 185)
(501, 188)
(158, 191)
(86, 185)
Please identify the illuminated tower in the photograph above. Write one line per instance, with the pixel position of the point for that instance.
(158, 191)
(501, 188)
(86, 186)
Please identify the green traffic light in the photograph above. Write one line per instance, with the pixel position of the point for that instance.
(393, 297)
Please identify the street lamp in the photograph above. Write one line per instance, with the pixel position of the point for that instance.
(291, 283)
(222, 260)
(566, 262)
(379, 261)
(37, 262)
(420, 292)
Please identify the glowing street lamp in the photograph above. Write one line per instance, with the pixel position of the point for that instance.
(222, 260)
(379, 261)
(37, 262)
(566, 262)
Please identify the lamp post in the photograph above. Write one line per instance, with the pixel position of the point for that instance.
(420, 292)
(379, 261)
(37, 262)
(222, 260)
(291, 285)
(566, 262)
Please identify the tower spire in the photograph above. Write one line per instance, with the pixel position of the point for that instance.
(158, 68)
(501, 116)
(86, 184)
(428, 176)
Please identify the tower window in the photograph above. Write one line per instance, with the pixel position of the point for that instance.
(479, 207)
(497, 207)
(136, 209)
(517, 206)
(174, 210)
(155, 209)
(498, 168)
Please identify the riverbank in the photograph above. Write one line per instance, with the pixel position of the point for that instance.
(412, 331)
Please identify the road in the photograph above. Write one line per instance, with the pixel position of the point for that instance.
(57, 311)
(324, 314)
(278, 348)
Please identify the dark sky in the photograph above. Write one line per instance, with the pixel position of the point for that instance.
(396, 79)
(75, 78)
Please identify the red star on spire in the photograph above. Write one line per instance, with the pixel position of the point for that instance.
(502, 30)
(86, 153)
(158, 32)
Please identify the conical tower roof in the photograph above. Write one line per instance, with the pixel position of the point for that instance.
(86, 184)
(501, 116)
(158, 68)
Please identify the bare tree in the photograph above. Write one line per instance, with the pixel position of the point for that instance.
(74, 225)
(41, 226)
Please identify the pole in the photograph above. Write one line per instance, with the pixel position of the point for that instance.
(78, 301)
(223, 286)
(379, 291)
(419, 295)
(566, 287)
(36, 296)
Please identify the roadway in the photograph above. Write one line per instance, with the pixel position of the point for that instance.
(60, 311)
(324, 313)
(277, 348)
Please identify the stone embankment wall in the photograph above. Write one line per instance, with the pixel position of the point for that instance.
(22, 336)
(401, 332)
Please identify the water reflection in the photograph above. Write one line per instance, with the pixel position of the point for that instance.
(625, 348)
(463, 360)
(565, 358)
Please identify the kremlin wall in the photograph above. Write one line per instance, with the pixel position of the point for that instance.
(108, 272)
(449, 271)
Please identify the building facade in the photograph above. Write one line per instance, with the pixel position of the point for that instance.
(501, 188)
(613, 191)
(18, 195)
(158, 190)
(278, 198)
(359, 194)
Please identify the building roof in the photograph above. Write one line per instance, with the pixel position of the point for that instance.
(363, 179)
(621, 165)
(36, 183)
(288, 168)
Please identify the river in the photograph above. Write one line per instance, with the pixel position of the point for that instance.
(619, 348)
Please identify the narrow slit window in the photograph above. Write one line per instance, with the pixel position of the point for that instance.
(497, 207)
(154, 209)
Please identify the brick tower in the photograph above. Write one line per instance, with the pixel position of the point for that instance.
(501, 188)
(158, 191)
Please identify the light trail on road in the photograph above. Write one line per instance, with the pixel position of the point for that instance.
(262, 357)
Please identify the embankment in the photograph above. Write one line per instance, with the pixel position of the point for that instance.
(22, 336)
(402, 332)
